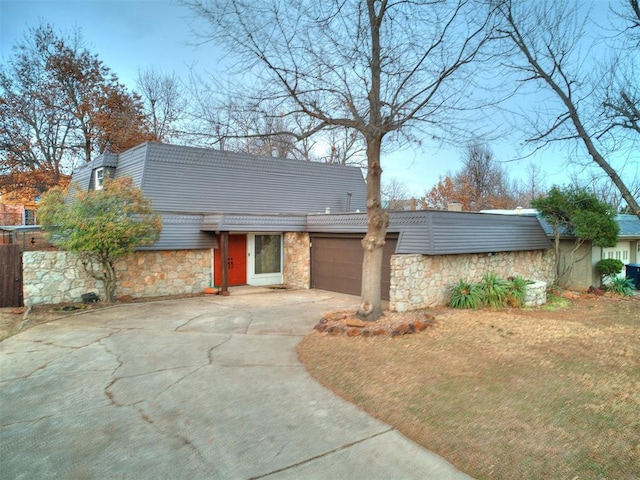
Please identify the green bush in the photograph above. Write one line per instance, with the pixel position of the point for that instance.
(621, 286)
(494, 290)
(465, 295)
(516, 287)
(491, 291)
(608, 267)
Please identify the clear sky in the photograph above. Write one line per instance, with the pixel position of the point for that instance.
(133, 35)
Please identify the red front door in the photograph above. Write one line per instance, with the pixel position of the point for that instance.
(237, 261)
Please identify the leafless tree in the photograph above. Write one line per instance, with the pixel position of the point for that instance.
(483, 179)
(230, 120)
(533, 186)
(599, 184)
(629, 13)
(375, 67)
(547, 51)
(164, 102)
(395, 194)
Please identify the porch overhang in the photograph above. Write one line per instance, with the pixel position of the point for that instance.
(253, 222)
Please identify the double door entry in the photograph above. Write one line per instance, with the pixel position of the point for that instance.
(253, 259)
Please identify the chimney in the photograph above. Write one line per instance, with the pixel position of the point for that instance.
(454, 207)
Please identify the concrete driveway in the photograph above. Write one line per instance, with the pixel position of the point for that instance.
(199, 388)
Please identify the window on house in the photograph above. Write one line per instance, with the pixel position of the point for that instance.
(99, 179)
(29, 217)
(268, 254)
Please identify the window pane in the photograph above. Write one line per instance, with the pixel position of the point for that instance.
(267, 255)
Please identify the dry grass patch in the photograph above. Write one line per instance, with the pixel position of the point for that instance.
(508, 394)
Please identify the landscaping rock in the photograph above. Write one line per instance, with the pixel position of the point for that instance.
(353, 332)
(390, 324)
(354, 322)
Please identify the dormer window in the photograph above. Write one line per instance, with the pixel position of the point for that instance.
(99, 178)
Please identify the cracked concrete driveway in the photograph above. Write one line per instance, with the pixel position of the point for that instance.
(198, 388)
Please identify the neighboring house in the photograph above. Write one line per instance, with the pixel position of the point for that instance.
(17, 213)
(583, 274)
(19, 202)
(272, 221)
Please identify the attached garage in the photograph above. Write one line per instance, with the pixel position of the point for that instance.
(336, 263)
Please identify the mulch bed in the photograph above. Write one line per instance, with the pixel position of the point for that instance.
(346, 323)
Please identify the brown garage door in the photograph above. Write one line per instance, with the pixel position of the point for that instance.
(336, 264)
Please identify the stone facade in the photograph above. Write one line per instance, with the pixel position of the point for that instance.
(421, 281)
(297, 260)
(56, 277)
(535, 294)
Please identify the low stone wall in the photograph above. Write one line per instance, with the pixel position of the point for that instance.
(56, 277)
(535, 294)
(421, 281)
(297, 260)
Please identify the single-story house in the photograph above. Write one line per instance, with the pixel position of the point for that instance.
(583, 274)
(274, 221)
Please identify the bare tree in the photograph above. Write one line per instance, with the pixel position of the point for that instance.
(546, 39)
(599, 185)
(483, 180)
(533, 186)
(375, 67)
(233, 121)
(164, 103)
(395, 194)
(630, 17)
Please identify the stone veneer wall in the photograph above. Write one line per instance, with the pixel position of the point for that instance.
(56, 277)
(297, 260)
(421, 281)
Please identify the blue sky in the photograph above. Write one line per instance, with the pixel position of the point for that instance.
(133, 35)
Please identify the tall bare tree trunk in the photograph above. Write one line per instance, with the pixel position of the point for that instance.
(373, 243)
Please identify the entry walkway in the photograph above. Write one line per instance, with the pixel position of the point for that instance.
(199, 388)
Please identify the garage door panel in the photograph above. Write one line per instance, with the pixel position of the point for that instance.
(336, 264)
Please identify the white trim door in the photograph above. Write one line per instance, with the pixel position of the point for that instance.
(264, 259)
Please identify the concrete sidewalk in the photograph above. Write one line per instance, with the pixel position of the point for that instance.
(199, 388)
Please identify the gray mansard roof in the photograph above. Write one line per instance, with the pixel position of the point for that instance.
(200, 192)
(198, 180)
(191, 187)
(434, 232)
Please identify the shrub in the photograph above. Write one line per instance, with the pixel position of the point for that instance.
(621, 286)
(516, 287)
(491, 291)
(609, 267)
(494, 290)
(466, 295)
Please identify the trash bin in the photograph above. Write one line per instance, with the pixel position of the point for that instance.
(633, 272)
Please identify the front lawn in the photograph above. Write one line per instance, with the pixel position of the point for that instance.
(549, 393)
